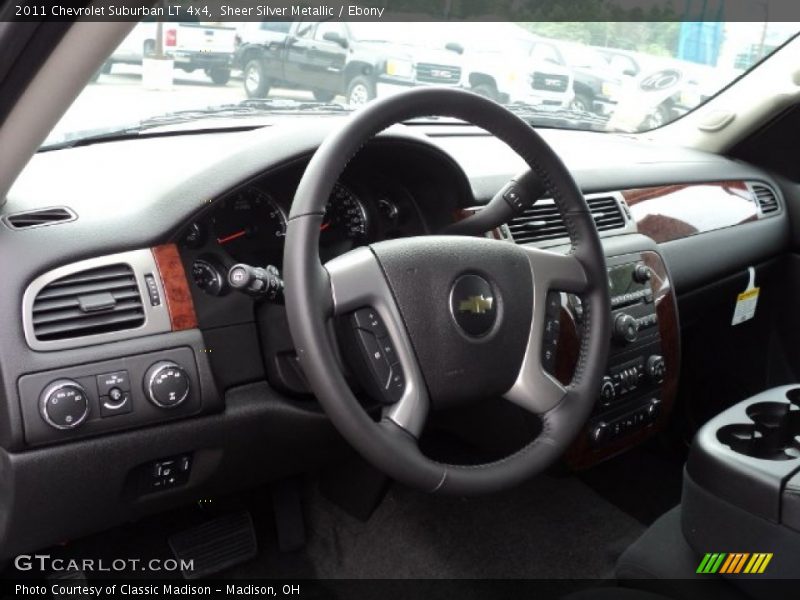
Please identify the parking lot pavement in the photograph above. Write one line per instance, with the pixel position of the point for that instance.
(119, 98)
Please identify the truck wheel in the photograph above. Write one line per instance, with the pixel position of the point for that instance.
(582, 103)
(220, 75)
(360, 91)
(323, 96)
(486, 90)
(256, 83)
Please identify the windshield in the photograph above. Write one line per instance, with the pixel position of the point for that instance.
(614, 76)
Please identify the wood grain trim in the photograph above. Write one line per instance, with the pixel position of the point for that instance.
(583, 453)
(176, 287)
(671, 212)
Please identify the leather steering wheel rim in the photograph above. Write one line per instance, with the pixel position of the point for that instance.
(390, 444)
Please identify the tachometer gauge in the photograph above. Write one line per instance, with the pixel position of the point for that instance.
(250, 226)
(345, 217)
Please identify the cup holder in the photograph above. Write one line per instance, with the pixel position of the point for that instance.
(774, 431)
(793, 396)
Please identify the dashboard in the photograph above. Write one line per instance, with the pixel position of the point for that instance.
(208, 372)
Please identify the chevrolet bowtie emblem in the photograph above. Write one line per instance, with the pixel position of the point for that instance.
(477, 305)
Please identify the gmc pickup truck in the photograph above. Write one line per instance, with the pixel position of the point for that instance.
(358, 60)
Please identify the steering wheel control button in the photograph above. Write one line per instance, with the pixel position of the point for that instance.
(376, 359)
(473, 304)
(166, 384)
(64, 404)
(116, 403)
(552, 328)
(368, 319)
(119, 380)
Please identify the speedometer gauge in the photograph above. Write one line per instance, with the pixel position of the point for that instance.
(250, 226)
(345, 217)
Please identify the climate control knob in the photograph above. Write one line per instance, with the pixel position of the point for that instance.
(166, 384)
(607, 390)
(656, 368)
(64, 404)
(626, 328)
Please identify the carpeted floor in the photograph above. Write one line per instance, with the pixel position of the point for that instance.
(548, 528)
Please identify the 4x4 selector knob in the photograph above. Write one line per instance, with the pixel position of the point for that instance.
(166, 384)
(64, 404)
(626, 328)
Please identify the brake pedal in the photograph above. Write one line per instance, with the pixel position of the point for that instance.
(215, 545)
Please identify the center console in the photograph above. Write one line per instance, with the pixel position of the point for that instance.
(640, 381)
(742, 484)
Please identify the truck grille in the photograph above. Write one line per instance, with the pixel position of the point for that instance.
(431, 73)
(550, 83)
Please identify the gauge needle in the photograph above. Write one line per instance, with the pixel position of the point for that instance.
(324, 226)
(231, 237)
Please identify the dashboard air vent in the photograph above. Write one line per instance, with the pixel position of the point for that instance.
(100, 300)
(38, 218)
(543, 222)
(766, 197)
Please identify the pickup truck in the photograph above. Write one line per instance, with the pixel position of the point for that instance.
(207, 46)
(359, 60)
(507, 63)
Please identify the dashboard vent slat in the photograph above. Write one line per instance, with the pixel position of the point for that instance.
(767, 198)
(542, 222)
(40, 217)
(68, 307)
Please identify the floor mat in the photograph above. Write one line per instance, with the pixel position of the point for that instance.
(548, 528)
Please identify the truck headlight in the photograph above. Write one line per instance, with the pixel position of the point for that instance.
(612, 91)
(400, 68)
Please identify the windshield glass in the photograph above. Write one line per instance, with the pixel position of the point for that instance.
(614, 76)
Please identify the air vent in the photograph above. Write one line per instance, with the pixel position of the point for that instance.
(101, 300)
(39, 218)
(543, 222)
(767, 198)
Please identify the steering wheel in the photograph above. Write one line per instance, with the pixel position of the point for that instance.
(465, 315)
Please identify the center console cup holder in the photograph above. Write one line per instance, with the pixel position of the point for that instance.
(741, 486)
(772, 433)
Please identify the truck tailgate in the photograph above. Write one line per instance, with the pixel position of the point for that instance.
(198, 37)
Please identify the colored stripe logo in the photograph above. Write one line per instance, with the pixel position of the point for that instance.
(734, 563)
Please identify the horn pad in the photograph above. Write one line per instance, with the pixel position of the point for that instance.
(467, 304)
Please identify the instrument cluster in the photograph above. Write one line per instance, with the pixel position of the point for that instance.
(249, 224)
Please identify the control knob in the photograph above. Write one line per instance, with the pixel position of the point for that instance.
(642, 274)
(600, 433)
(607, 391)
(626, 328)
(656, 368)
(166, 384)
(654, 410)
(64, 404)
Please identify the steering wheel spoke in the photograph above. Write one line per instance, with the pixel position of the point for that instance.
(357, 282)
(536, 389)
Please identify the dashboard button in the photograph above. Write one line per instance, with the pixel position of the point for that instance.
(118, 379)
(116, 403)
